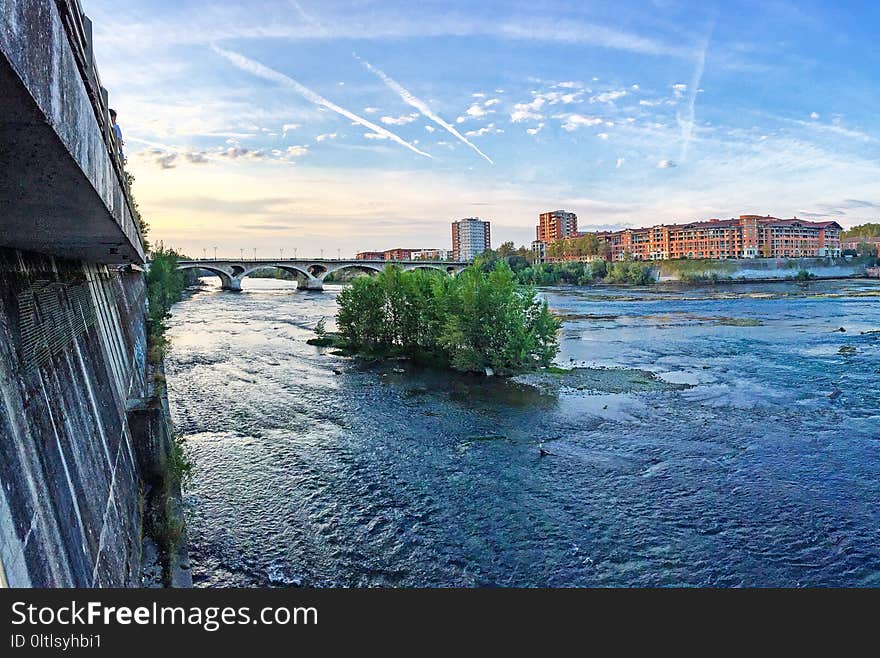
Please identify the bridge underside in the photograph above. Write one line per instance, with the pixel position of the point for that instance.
(59, 190)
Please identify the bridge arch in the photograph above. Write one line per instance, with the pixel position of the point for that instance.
(363, 267)
(226, 279)
(432, 267)
(292, 269)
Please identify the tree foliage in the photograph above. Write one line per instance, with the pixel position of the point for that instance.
(468, 322)
(165, 285)
(870, 230)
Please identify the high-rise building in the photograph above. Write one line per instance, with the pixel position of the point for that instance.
(470, 237)
(556, 225)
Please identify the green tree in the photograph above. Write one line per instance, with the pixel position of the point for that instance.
(469, 322)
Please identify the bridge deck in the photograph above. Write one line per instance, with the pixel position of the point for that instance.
(62, 192)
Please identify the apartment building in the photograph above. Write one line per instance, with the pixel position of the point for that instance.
(749, 236)
(431, 254)
(370, 255)
(556, 225)
(470, 237)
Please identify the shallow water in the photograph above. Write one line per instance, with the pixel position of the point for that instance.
(314, 470)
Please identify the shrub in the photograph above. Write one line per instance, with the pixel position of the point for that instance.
(469, 322)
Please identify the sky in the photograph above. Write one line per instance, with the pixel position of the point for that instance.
(362, 125)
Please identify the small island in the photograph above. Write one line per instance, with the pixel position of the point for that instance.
(473, 322)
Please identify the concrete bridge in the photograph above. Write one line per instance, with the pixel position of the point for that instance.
(310, 273)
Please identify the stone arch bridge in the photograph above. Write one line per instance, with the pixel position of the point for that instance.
(310, 273)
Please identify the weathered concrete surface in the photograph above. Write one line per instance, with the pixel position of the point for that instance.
(72, 352)
(760, 269)
(59, 190)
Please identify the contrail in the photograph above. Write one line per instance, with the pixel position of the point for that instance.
(412, 101)
(266, 73)
(687, 123)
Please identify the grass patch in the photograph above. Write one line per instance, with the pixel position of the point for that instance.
(556, 370)
(329, 339)
(739, 322)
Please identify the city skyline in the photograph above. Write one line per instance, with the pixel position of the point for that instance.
(312, 126)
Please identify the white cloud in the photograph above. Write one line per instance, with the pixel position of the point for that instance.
(485, 130)
(476, 111)
(527, 111)
(602, 135)
(491, 102)
(666, 164)
(569, 85)
(287, 127)
(325, 136)
(397, 121)
(430, 129)
(608, 96)
(620, 162)
(647, 103)
(535, 130)
(375, 136)
(574, 121)
(297, 151)
(371, 110)
(814, 115)
(479, 95)
(635, 87)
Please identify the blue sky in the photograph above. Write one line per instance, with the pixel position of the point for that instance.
(364, 125)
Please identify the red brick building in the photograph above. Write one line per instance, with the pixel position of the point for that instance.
(749, 236)
(852, 244)
(370, 255)
(398, 254)
(556, 225)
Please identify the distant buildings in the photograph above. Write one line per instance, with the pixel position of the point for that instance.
(853, 244)
(470, 238)
(404, 254)
(431, 254)
(748, 236)
(556, 225)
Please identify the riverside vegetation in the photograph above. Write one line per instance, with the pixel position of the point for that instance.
(474, 322)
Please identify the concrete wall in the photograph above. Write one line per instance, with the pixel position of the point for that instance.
(72, 353)
(757, 269)
(60, 192)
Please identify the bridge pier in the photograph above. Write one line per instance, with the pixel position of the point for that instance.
(311, 283)
(230, 283)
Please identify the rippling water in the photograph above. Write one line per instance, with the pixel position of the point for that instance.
(314, 470)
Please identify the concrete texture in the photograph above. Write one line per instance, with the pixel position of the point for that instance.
(72, 352)
(60, 192)
(764, 269)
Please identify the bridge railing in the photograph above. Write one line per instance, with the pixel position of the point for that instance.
(78, 27)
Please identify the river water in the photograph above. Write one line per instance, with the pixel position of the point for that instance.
(740, 470)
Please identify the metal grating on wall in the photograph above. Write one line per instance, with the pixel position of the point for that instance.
(51, 316)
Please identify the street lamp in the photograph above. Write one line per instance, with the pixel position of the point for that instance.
(241, 251)
(338, 254)
(282, 253)
(294, 253)
(322, 254)
(204, 253)
(255, 253)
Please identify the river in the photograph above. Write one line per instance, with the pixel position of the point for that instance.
(736, 469)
